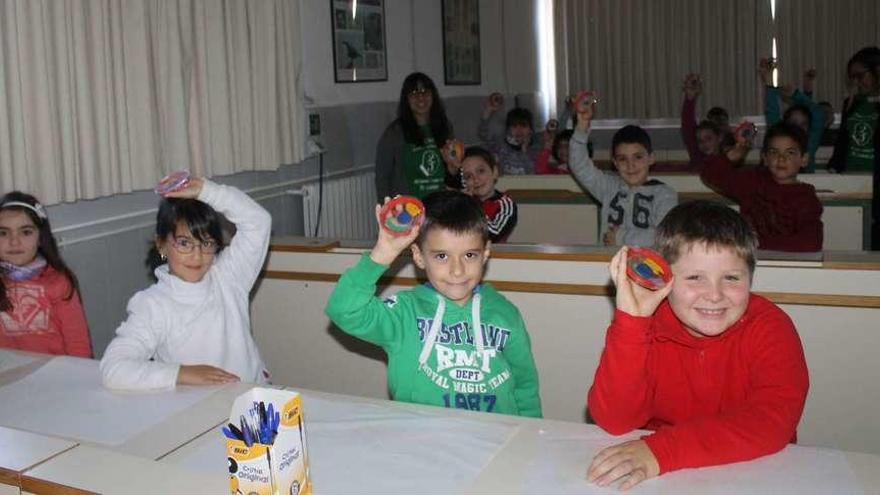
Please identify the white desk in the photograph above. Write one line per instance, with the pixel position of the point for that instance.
(552, 457)
(88, 469)
(72, 385)
(537, 456)
(20, 451)
(374, 446)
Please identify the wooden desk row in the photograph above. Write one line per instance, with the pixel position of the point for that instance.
(376, 446)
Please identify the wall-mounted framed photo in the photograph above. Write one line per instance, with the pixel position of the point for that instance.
(461, 42)
(359, 51)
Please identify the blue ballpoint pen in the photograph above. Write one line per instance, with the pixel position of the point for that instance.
(246, 430)
(235, 431)
(255, 426)
(229, 433)
(272, 418)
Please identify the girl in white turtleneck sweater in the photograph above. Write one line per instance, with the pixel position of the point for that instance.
(192, 327)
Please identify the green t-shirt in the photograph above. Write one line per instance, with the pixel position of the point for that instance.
(860, 129)
(423, 166)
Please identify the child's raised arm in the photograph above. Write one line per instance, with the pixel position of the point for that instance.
(817, 125)
(490, 108)
(722, 176)
(353, 305)
(600, 185)
(692, 88)
(389, 247)
(244, 256)
(632, 298)
(772, 113)
(619, 397)
(809, 82)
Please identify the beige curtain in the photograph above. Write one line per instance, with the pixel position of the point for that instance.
(99, 97)
(823, 34)
(637, 52)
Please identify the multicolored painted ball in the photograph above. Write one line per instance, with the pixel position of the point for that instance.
(552, 125)
(455, 149)
(400, 215)
(747, 130)
(497, 99)
(647, 268)
(584, 99)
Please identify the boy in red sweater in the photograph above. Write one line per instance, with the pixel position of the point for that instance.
(716, 372)
(785, 213)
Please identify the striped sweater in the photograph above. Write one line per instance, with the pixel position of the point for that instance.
(500, 210)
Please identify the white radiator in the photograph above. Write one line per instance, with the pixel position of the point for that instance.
(348, 210)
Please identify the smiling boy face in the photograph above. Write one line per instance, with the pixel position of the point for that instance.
(452, 261)
(633, 162)
(784, 159)
(710, 291)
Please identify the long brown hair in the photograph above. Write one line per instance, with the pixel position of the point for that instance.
(47, 246)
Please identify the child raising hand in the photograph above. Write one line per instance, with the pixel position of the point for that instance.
(716, 372)
(490, 345)
(192, 327)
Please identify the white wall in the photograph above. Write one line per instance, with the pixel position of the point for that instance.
(106, 239)
(415, 43)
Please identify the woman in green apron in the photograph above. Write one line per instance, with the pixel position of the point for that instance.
(409, 160)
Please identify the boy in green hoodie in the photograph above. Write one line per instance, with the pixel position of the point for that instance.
(435, 354)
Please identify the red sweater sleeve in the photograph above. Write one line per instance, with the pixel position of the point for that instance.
(720, 175)
(689, 129)
(619, 399)
(762, 424)
(542, 162)
(72, 324)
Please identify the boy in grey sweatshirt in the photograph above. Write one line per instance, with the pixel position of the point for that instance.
(632, 204)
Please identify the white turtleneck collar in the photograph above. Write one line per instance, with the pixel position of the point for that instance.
(182, 290)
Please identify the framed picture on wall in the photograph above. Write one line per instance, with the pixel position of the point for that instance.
(461, 41)
(359, 52)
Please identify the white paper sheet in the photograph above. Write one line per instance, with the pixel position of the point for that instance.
(560, 465)
(373, 449)
(65, 398)
(560, 468)
(10, 359)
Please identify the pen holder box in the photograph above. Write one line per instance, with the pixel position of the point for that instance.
(279, 466)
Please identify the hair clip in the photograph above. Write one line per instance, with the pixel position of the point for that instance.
(36, 208)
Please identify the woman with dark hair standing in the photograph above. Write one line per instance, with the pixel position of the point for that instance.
(857, 148)
(408, 158)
